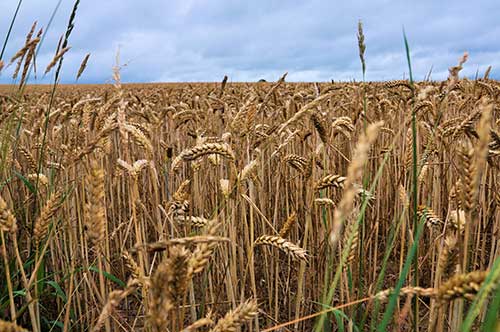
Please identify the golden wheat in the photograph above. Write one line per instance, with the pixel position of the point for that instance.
(287, 247)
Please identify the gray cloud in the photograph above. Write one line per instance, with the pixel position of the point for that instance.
(202, 40)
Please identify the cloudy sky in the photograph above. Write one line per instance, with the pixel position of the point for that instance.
(312, 40)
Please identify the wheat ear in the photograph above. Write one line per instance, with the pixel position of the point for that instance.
(95, 221)
(43, 221)
(202, 150)
(287, 247)
(331, 180)
(8, 222)
(11, 327)
(354, 173)
(56, 58)
(235, 318)
(201, 256)
(83, 65)
(461, 286)
(287, 226)
(114, 299)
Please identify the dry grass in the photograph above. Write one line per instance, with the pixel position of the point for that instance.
(166, 207)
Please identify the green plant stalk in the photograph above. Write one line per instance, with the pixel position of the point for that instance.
(392, 238)
(492, 321)
(338, 272)
(345, 252)
(69, 29)
(365, 185)
(365, 175)
(488, 286)
(54, 86)
(380, 277)
(415, 180)
(51, 101)
(406, 268)
(10, 28)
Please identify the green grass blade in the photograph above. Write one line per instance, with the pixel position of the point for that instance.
(10, 29)
(488, 286)
(109, 276)
(388, 314)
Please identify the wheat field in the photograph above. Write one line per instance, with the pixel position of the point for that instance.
(251, 206)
